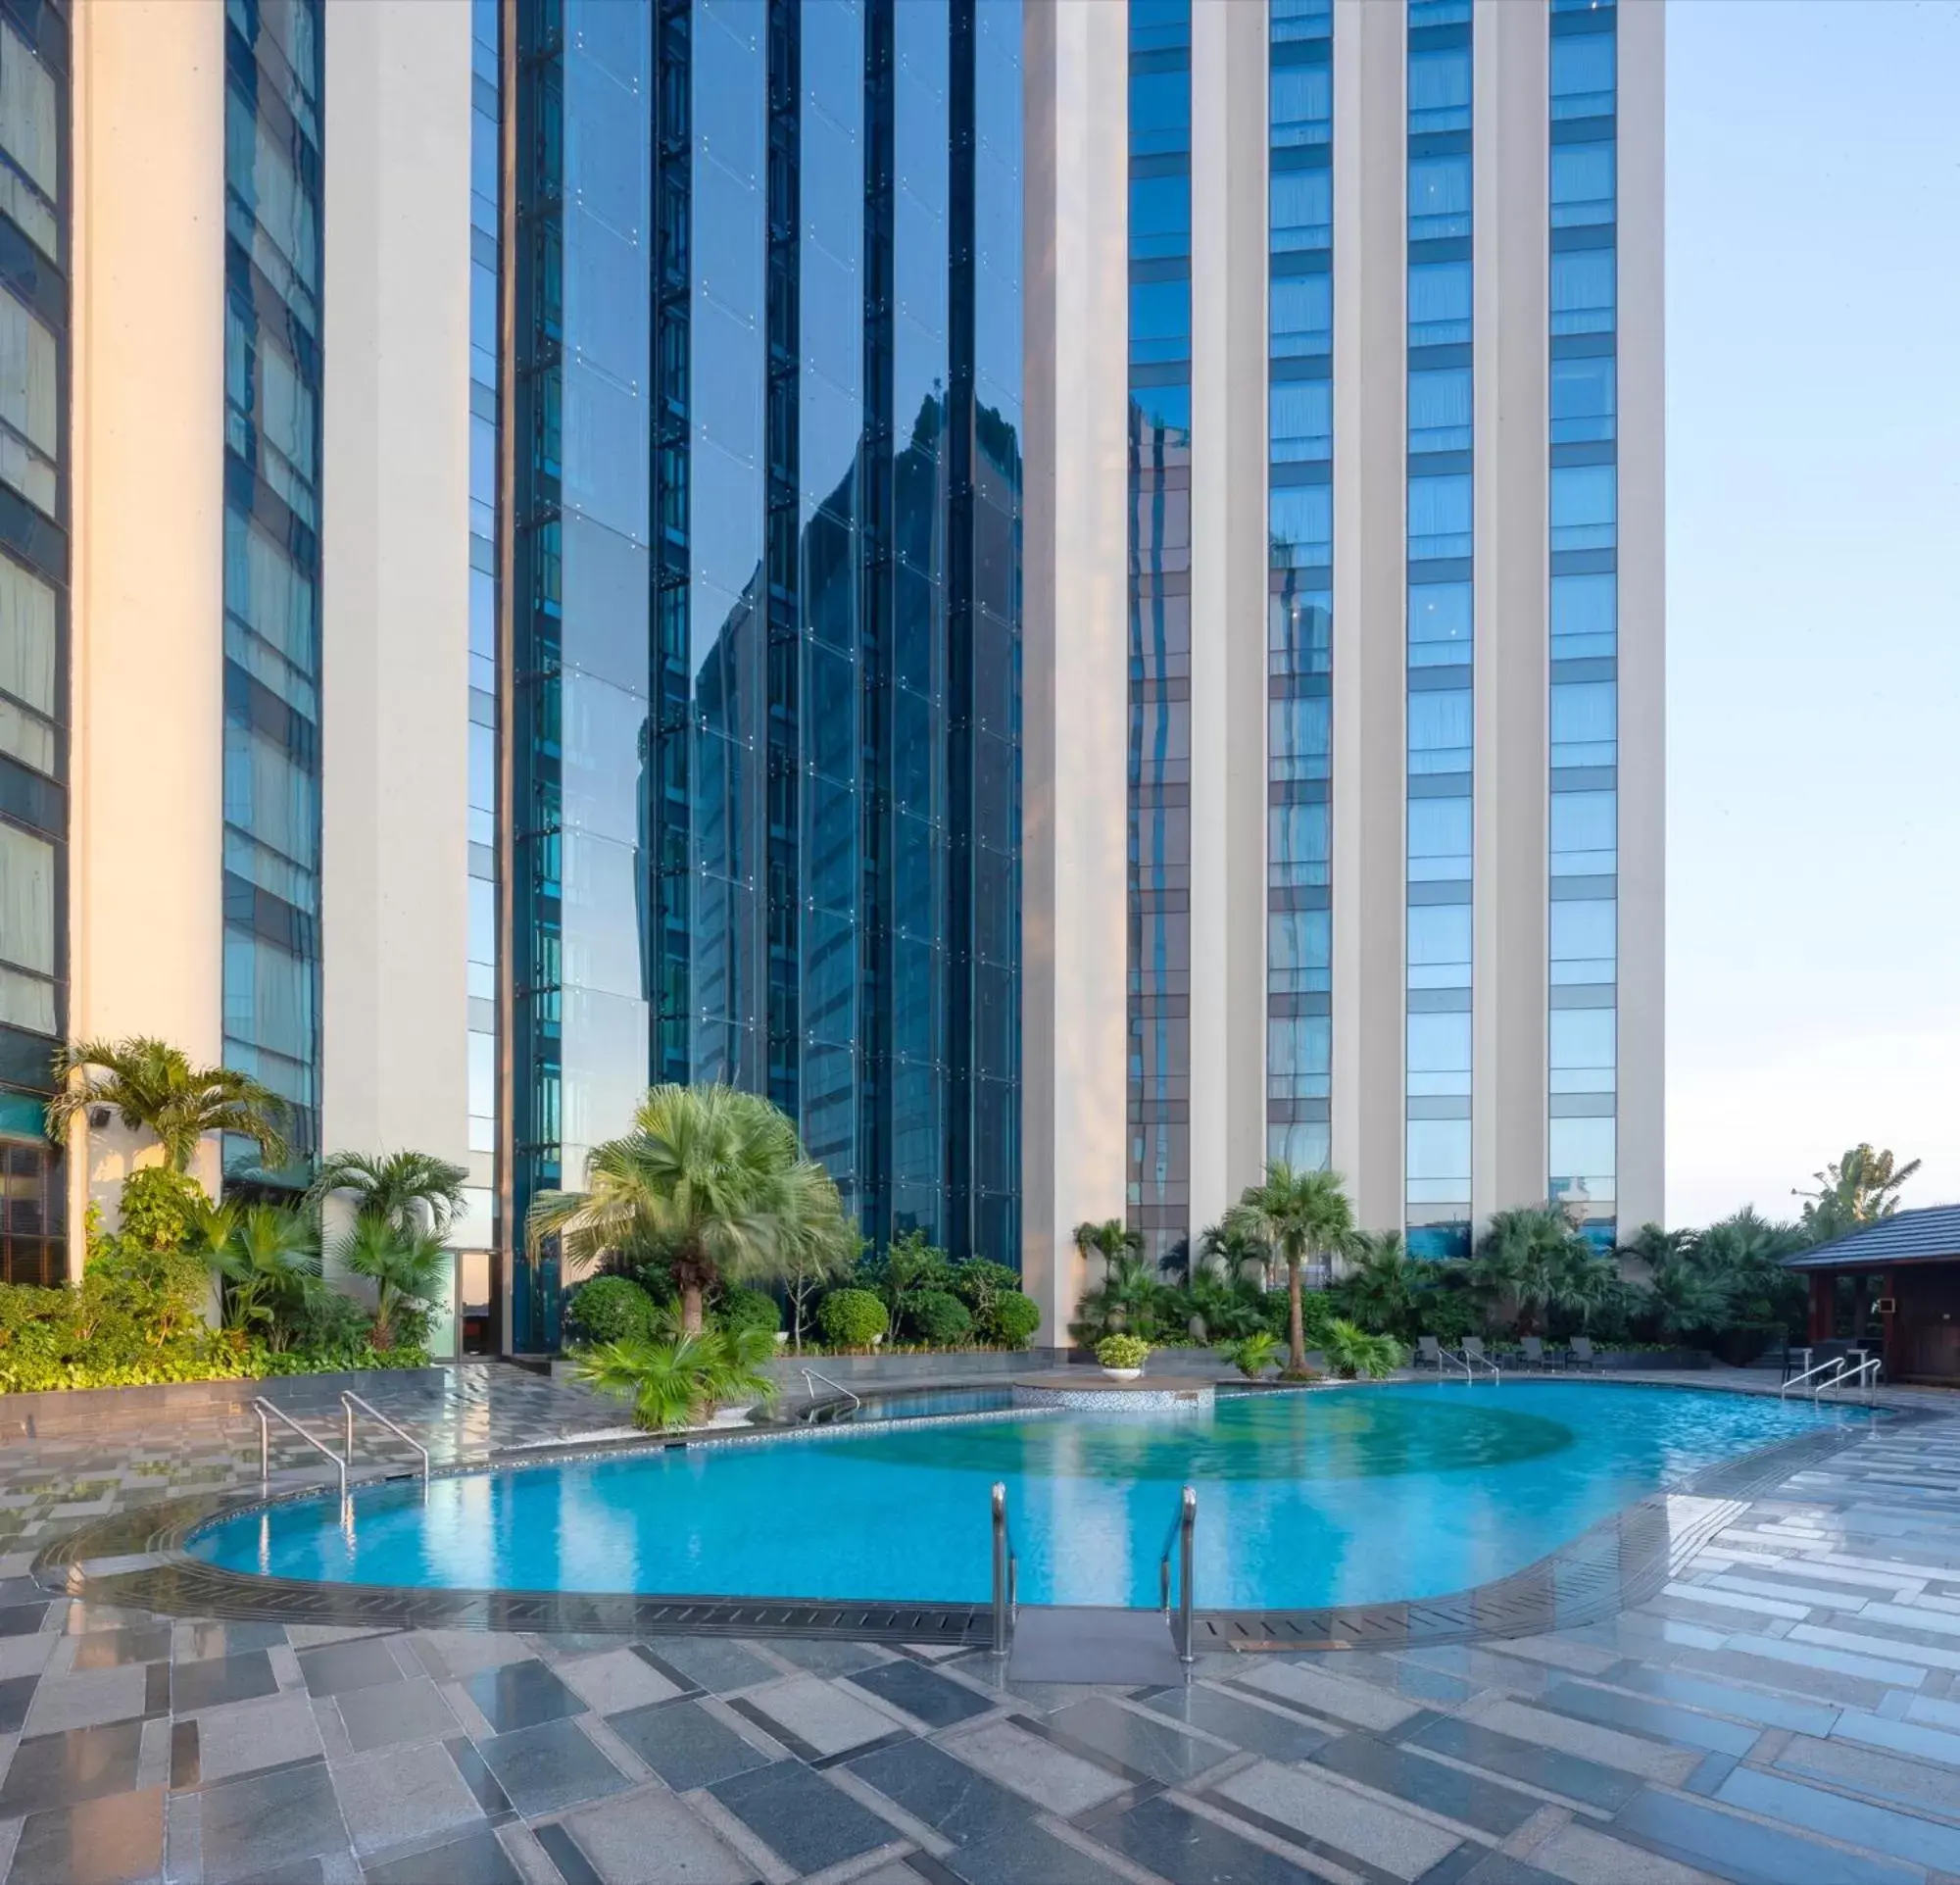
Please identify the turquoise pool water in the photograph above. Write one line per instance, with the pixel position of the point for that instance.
(1357, 1495)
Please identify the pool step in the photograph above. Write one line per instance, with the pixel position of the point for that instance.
(1078, 1643)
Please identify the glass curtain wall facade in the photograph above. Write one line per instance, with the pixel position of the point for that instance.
(1300, 604)
(1584, 859)
(272, 260)
(765, 759)
(35, 98)
(1160, 760)
(1441, 630)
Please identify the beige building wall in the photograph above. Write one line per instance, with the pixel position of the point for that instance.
(1074, 642)
(395, 619)
(146, 919)
(1511, 685)
(1642, 642)
(1370, 402)
(1228, 607)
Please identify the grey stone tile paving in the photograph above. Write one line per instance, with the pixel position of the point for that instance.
(1703, 1735)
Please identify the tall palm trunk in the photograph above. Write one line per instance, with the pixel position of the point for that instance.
(692, 1273)
(1295, 1327)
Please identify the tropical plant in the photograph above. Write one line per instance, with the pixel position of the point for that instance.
(1301, 1215)
(610, 1309)
(1108, 1240)
(408, 1269)
(852, 1318)
(1650, 1246)
(266, 1259)
(941, 1317)
(1231, 1249)
(740, 1308)
(1379, 1288)
(979, 1283)
(1684, 1299)
(1212, 1309)
(814, 1257)
(1352, 1351)
(1856, 1189)
(163, 1208)
(1253, 1354)
(1128, 1299)
(1122, 1351)
(152, 1087)
(711, 1178)
(909, 1266)
(680, 1381)
(1524, 1257)
(412, 1190)
(1010, 1319)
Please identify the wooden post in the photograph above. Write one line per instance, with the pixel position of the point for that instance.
(1823, 1288)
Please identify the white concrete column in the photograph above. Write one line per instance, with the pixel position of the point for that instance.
(396, 604)
(145, 845)
(1075, 711)
(1228, 603)
(1642, 642)
(1510, 143)
(1370, 400)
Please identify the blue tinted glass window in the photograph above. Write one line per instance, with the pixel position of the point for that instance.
(1440, 410)
(1582, 184)
(1584, 836)
(1159, 112)
(1438, 1054)
(1584, 939)
(1301, 418)
(1298, 1053)
(1583, 291)
(1439, 516)
(1583, 397)
(1440, 729)
(1301, 209)
(1584, 507)
(1439, 839)
(1585, 723)
(1439, 91)
(1159, 320)
(1302, 310)
(1299, 951)
(1159, 216)
(1582, 73)
(1438, 196)
(1296, 845)
(1438, 943)
(1303, 104)
(1440, 619)
(1584, 612)
(1300, 523)
(1438, 303)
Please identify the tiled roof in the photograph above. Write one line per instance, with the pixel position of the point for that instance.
(1905, 1237)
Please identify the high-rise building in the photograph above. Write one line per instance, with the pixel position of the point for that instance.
(1068, 588)
(1345, 617)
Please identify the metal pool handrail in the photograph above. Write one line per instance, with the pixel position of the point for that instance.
(1006, 1573)
(262, 1408)
(1837, 1366)
(811, 1375)
(353, 1401)
(1183, 1534)
(1867, 1374)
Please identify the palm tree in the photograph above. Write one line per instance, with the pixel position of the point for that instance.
(712, 1179)
(1587, 1281)
(1859, 1188)
(1382, 1286)
(1301, 1215)
(1650, 1247)
(408, 1269)
(1526, 1253)
(265, 1256)
(1108, 1240)
(1685, 1301)
(1233, 1248)
(153, 1087)
(412, 1190)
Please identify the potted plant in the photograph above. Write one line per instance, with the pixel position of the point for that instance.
(1123, 1356)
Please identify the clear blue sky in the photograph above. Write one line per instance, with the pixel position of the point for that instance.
(1813, 592)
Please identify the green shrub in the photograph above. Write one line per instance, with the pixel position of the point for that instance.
(1352, 1351)
(941, 1317)
(1010, 1319)
(161, 1208)
(1252, 1355)
(851, 1318)
(610, 1309)
(979, 1284)
(1122, 1351)
(748, 1309)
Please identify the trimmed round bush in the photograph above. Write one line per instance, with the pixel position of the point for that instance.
(1013, 1319)
(741, 1309)
(940, 1318)
(851, 1318)
(610, 1309)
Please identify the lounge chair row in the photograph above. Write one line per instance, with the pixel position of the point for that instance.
(1578, 1353)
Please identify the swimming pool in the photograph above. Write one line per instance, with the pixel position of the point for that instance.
(1357, 1495)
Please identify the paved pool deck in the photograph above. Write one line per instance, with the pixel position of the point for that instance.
(1785, 1709)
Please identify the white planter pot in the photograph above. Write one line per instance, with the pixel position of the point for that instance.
(1123, 1375)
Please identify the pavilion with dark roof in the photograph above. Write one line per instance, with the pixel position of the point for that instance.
(1894, 1286)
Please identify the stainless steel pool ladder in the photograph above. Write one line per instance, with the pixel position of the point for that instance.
(352, 1401)
(1183, 1537)
(811, 1377)
(1836, 1372)
(1005, 1567)
(1470, 1364)
(262, 1408)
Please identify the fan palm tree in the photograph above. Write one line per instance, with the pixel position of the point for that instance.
(712, 1179)
(153, 1087)
(408, 1269)
(1301, 1215)
(1650, 1247)
(1234, 1249)
(1108, 1240)
(1685, 1301)
(1525, 1252)
(1857, 1189)
(412, 1190)
(267, 1258)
